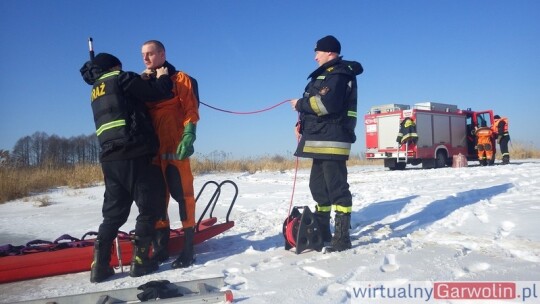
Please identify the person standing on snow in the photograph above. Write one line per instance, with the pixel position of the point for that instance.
(128, 142)
(326, 133)
(175, 122)
(500, 127)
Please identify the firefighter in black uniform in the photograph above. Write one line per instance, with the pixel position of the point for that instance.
(128, 142)
(326, 132)
(500, 127)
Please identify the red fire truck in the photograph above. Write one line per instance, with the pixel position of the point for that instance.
(443, 131)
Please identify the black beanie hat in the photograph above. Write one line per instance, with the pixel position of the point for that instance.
(497, 117)
(328, 44)
(106, 61)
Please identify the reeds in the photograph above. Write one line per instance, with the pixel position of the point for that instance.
(20, 182)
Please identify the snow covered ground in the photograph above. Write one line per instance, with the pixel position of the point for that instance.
(409, 227)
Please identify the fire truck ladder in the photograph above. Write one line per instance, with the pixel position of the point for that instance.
(398, 159)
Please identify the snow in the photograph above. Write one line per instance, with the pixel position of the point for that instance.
(452, 224)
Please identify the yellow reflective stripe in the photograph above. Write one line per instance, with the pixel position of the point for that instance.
(110, 125)
(321, 77)
(327, 147)
(342, 209)
(409, 123)
(352, 114)
(106, 75)
(317, 106)
(335, 151)
(409, 136)
(324, 208)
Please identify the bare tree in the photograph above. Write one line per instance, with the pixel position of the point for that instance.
(38, 148)
(21, 152)
(41, 149)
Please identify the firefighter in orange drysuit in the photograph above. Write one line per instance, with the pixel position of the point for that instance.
(175, 123)
(484, 145)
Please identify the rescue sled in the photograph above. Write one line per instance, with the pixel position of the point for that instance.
(55, 258)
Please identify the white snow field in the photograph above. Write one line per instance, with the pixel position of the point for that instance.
(471, 224)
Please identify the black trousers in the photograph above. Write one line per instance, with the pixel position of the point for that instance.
(503, 144)
(328, 183)
(127, 181)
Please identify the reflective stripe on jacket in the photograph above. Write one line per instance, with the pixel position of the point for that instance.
(407, 131)
(110, 109)
(328, 111)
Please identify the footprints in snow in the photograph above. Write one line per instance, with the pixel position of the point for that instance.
(505, 229)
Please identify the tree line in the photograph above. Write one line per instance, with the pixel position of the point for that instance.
(41, 149)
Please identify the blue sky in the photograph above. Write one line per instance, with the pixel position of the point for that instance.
(250, 55)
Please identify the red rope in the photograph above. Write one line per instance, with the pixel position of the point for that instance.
(290, 223)
(295, 172)
(245, 113)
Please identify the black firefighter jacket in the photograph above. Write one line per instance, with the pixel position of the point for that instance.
(123, 125)
(328, 111)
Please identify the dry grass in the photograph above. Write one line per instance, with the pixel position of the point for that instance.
(21, 182)
(222, 163)
(18, 183)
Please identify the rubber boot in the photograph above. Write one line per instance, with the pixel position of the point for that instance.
(160, 245)
(141, 263)
(187, 256)
(342, 240)
(323, 219)
(101, 268)
(506, 159)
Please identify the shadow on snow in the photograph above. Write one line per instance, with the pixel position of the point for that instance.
(430, 214)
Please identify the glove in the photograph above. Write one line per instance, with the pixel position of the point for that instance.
(185, 147)
(162, 71)
(298, 130)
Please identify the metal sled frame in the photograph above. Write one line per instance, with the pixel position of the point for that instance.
(195, 291)
(214, 199)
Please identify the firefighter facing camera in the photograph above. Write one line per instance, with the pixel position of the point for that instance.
(327, 113)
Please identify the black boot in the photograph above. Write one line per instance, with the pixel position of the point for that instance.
(342, 240)
(323, 219)
(101, 268)
(506, 159)
(160, 245)
(141, 263)
(187, 256)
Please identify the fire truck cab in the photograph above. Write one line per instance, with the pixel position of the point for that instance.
(442, 131)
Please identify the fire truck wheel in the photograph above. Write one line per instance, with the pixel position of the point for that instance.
(441, 160)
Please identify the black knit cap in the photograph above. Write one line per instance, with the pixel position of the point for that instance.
(328, 44)
(106, 61)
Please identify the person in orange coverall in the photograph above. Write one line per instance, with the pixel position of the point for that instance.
(175, 123)
(484, 145)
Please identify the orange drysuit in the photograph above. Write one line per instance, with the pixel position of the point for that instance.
(169, 118)
(484, 144)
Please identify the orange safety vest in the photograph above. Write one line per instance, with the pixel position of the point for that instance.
(495, 127)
